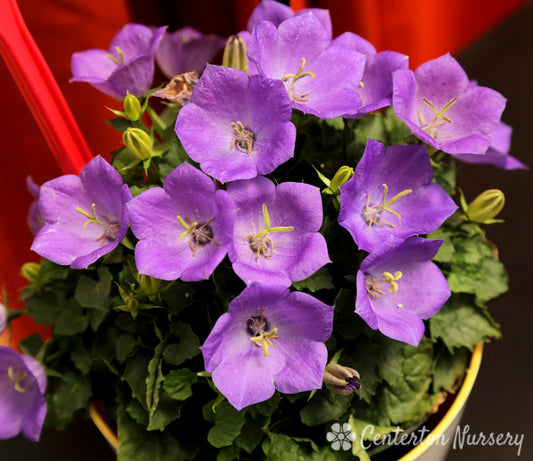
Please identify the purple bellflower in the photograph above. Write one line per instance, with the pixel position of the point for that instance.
(34, 218)
(498, 152)
(398, 286)
(237, 126)
(184, 228)
(127, 67)
(375, 88)
(444, 109)
(85, 217)
(186, 50)
(391, 193)
(276, 12)
(269, 339)
(320, 76)
(276, 238)
(22, 403)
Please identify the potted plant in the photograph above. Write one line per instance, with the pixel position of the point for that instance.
(278, 260)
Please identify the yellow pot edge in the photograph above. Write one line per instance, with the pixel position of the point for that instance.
(455, 408)
(457, 405)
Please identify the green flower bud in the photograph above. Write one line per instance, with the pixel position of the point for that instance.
(148, 285)
(235, 54)
(342, 176)
(132, 108)
(486, 206)
(341, 380)
(30, 271)
(139, 143)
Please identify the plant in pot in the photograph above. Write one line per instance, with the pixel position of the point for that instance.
(274, 261)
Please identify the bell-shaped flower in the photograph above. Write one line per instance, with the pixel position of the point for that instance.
(276, 238)
(321, 76)
(276, 12)
(498, 152)
(186, 50)
(127, 67)
(184, 228)
(444, 109)
(391, 193)
(270, 339)
(84, 217)
(398, 286)
(22, 403)
(375, 88)
(237, 126)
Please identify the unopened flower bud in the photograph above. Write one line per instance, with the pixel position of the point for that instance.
(342, 176)
(486, 206)
(132, 108)
(30, 271)
(235, 54)
(340, 379)
(149, 285)
(139, 143)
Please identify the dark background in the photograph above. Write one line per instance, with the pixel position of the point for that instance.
(502, 398)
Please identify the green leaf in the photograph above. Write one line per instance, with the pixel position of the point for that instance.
(187, 348)
(178, 384)
(135, 375)
(94, 293)
(228, 423)
(449, 368)
(80, 356)
(125, 345)
(140, 445)
(461, 323)
(280, 447)
(154, 380)
(325, 406)
(320, 280)
(73, 394)
(167, 410)
(43, 307)
(31, 345)
(71, 321)
(365, 431)
(252, 432)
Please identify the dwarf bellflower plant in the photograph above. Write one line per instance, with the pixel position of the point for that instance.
(273, 251)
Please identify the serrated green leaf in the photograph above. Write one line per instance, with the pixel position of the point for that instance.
(187, 348)
(72, 320)
(43, 307)
(31, 345)
(73, 394)
(252, 432)
(125, 346)
(361, 356)
(154, 380)
(325, 406)
(167, 411)
(228, 424)
(461, 323)
(135, 375)
(178, 383)
(92, 293)
(320, 280)
(449, 368)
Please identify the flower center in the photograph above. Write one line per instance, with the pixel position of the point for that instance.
(373, 287)
(110, 227)
(260, 243)
(439, 119)
(300, 98)
(201, 234)
(243, 139)
(372, 213)
(18, 376)
(261, 336)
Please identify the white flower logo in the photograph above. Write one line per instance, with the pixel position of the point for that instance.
(341, 437)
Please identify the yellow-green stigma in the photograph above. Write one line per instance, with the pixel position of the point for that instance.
(110, 228)
(372, 213)
(243, 139)
(300, 98)
(258, 327)
(120, 60)
(439, 119)
(17, 376)
(373, 287)
(260, 243)
(200, 234)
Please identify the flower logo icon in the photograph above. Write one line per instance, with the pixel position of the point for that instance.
(340, 437)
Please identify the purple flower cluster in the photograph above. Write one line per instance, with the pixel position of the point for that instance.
(238, 128)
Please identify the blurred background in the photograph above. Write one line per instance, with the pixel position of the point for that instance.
(492, 40)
